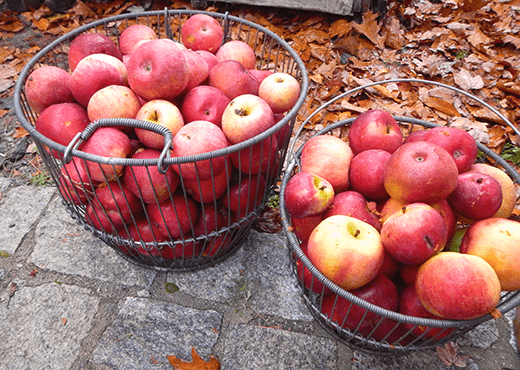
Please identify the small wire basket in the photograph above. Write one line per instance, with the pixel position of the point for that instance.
(210, 217)
(388, 332)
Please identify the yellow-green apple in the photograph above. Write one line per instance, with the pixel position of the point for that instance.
(509, 195)
(158, 69)
(198, 70)
(366, 173)
(374, 129)
(210, 189)
(195, 138)
(175, 216)
(348, 251)
(114, 101)
(329, 157)
(61, 122)
(260, 74)
(233, 79)
(457, 286)
(302, 227)
(91, 75)
(497, 241)
(280, 90)
(113, 61)
(146, 182)
(258, 157)
(307, 194)
(410, 305)
(202, 32)
(119, 203)
(245, 117)
(414, 234)
(107, 142)
(46, 86)
(162, 113)
(245, 194)
(91, 43)
(239, 51)
(477, 196)
(132, 35)
(306, 277)
(75, 184)
(420, 171)
(204, 103)
(353, 204)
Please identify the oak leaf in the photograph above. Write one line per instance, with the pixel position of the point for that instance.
(197, 363)
(370, 28)
(466, 81)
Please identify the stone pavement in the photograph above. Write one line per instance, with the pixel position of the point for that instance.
(78, 305)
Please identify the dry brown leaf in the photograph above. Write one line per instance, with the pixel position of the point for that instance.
(477, 38)
(441, 105)
(20, 132)
(466, 81)
(370, 28)
(340, 28)
(515, 41)
(496, 314)
(449, 356)
(197, 362)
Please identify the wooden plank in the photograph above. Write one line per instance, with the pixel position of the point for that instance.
(340, 7)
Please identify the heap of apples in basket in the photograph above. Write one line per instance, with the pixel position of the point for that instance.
(413, 225)
(207, 92)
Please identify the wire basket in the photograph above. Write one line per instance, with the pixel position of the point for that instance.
(192, 207)
(389, 332)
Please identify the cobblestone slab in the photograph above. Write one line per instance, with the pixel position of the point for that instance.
(20, 209)
(255, 347)
(43, 326)
(63, 246)
(146, 331)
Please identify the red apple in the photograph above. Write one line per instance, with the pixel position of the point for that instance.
(202, 32)
(414, 234)
(375, 129)
(210, 189)
(309, 281)
(476, 196)
(175, 216)
(199, 137)
(307, 194)
(204, 103)
(113, 101)
(457, 286)
(75, 182)
(46, 86)
(260, 74)
(348, 251)
(258, 157)
(113, 61)
(233, 79)
(420, 171)
(329, 157)
(408, 274)
(132, 35)
(119, 203)
(91, 43)
(245, 117)
(145, 234)
(302, 227)
(245, 194)
(198, 70)
(162, 113)
(107, 142)
(98, 218)
(390, 266)
(211, 219)
(210, 59)
(497, 241)
(353, 204)
(158, 69)
(366, 173)
(280, 90)
(239, 51)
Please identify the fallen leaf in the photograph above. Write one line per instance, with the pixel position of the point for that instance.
(466, 81)
(19, 132)
(197, 362)
(370, 28)
(33, 272)
(64, 321)
(449, 356)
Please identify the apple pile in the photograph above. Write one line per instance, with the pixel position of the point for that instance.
(205, 91)
(411, 224)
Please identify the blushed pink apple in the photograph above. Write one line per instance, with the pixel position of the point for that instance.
(202, 32)
(46, 86)
(198, 70)
(375, 129)
(260, 74)
(91, 43)
(366, 173)
(237, 50)
(233, 79)
(132, 35)
(113, 61)
(280, 90)
(204, 103)
(307, 194)
(353, 204)
(113, 101)
(245, 195)
(258, 157)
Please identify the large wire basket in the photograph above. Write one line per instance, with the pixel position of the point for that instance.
(193, 205)
(397, 333)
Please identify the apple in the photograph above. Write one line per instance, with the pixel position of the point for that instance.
(210, 59)
(175, 216)
(302, 227)
(374, 129)
(509, 195)
(198, 70)
(107, 142)
(306, 277)
(199, 137)
(245, 117)
(146, 182)
(497, 241)
(158, 69)
(98, 218)
(476, 196)
(457, 286)
(408, 274)
(91, 43)
(239, 51)
(366, 173)
(202, 32)
(245, 194)
(162, 113)
(348, 251)
(132, 35)
(210, 189)
(114, 62)
(353, 204)
(416, 135)
(414, 234)
(114, 101)
(46, 86)
(233, 79)
(260, 74)
(257, 158)
(307, 194)
(280, 90)
(145, 234)
(329, 157)
(119, 203)
(420, 171)
(75, 182)
(204, 103)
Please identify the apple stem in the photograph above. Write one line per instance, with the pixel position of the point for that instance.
(403, 209)
(356, 233)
